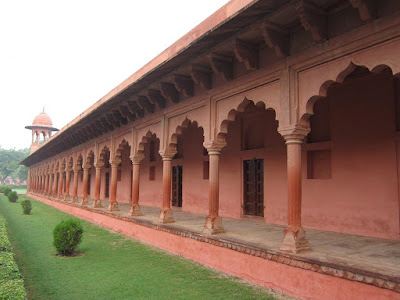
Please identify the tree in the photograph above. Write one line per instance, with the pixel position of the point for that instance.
(9, 163)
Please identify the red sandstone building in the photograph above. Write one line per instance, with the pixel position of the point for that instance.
(281, 112)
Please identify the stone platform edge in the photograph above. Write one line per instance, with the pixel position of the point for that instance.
(338, 271)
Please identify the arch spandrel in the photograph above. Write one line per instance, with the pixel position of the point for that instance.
(314, 83)
(266, 96)
(199, 115)
(127, 137)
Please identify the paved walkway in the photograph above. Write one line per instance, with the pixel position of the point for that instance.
(371, 254)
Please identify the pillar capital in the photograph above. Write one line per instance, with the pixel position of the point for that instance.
(115, 163)
(99, 165)
(136, 159)
(214, 147)
(294, 134)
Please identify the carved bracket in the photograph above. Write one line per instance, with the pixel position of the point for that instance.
(276, 38)
(145, 103)
(136, 108)
(184, 84)
(126, 112)
(366, 9)
(169, 92)
(222, 65)
(201, 75)
(313, 19)
(118, 116)
(155, 97)
(246, 53)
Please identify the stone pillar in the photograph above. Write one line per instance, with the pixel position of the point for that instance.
(54, 193)
(113, 188)
(135, 208)
(60, 185)
(213, 223)
(97, 201)
(75, 188)
(85, 186)
(166, 215)
(294, 239)
(67, 183)
(45, 185)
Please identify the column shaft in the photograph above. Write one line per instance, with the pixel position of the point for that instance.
(166, 215)
(294, 239)
(97, 202)
(67, 183)
(113, 188)
(85, 186)
(75, 188)
(60, 185)
(135, 208)
(213, 221)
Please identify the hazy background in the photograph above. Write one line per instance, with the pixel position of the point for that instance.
(66, 55)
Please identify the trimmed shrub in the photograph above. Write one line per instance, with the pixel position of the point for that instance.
(6, 190)
(11, 282)
(67, 235)
(26, 207)
(12, 196)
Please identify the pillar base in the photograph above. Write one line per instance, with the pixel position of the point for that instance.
(213, 225)
(74, 200)
(85, 201)
(135, 210)
(97, 204)
(67, 198)
(113, 206)
(294, 240)
(166, 216)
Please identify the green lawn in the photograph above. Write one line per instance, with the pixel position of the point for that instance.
(20, 191)
(111, 266)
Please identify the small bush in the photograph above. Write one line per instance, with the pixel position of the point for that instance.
(6, 190)
(12, 196)
(67, 235)
(26, 207)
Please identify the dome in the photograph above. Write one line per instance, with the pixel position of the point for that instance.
(42, 119)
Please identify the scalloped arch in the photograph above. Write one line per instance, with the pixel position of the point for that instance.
(340, 78)
(178, 131)
(223, 128)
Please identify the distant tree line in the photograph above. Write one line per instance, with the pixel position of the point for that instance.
(9, 164)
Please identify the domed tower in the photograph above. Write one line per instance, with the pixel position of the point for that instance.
(42, 128)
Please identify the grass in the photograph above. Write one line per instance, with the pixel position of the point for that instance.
(110, 265)
(20, 191)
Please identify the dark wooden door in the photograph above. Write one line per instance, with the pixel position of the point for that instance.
(253, 187)
(177, 186)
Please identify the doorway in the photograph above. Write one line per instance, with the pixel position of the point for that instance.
(253, 173)
(177, 186)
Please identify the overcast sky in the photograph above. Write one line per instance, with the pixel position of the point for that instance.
(66, 55)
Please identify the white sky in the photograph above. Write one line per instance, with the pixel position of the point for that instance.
(66, 55)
